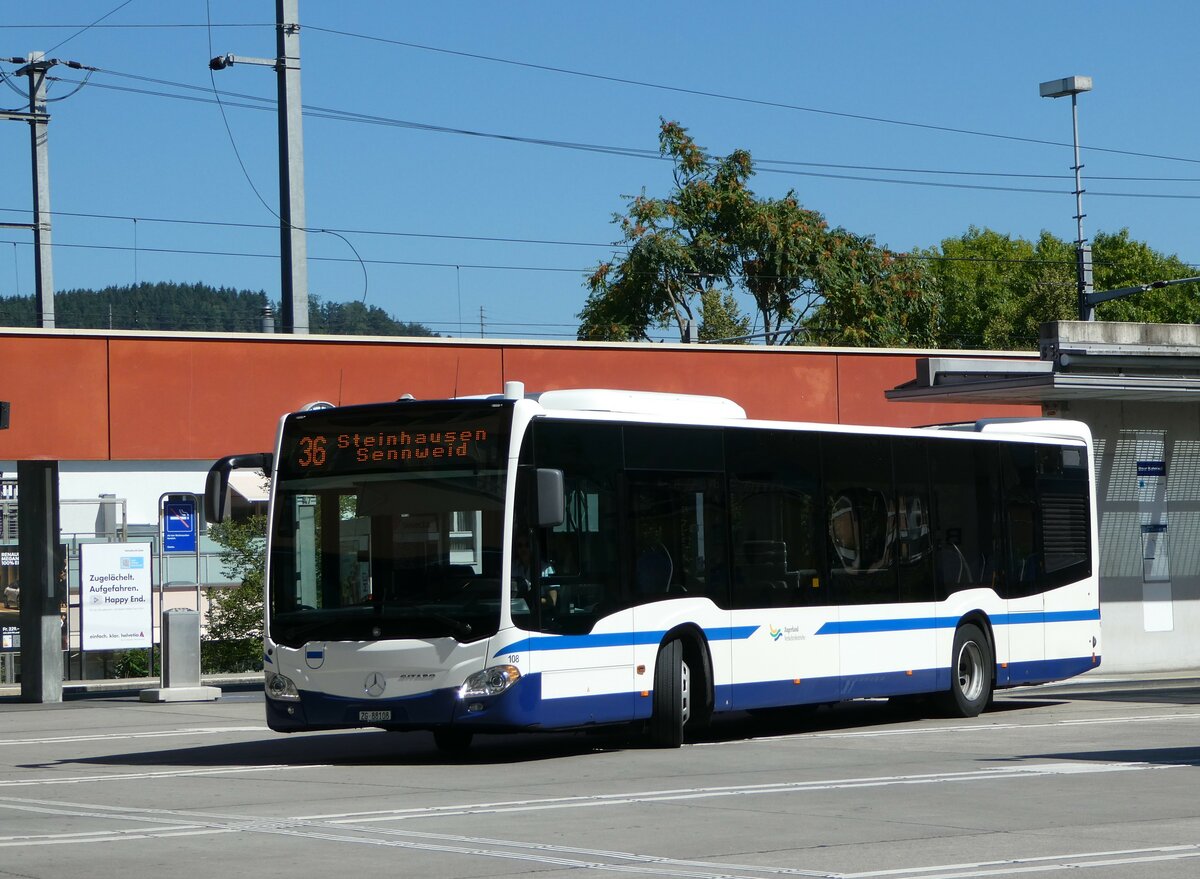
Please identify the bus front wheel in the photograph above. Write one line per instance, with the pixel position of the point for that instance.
(672, 696)
(971, 667)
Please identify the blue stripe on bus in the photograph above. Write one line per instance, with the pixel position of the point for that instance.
(523, 707)
(908, 624)
(741, 633)
(617, 639)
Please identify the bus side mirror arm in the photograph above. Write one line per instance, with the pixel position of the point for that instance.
(216, 485)
(551, 504)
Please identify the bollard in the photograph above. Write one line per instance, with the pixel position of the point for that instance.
(180, 661)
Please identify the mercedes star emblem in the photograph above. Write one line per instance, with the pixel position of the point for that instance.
(374, 684)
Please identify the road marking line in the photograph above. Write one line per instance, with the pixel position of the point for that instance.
(169, 773)
(985, 775)
(181, 823)
(198, 731)
(973, 728)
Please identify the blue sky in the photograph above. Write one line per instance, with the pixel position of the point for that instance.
(470, 215)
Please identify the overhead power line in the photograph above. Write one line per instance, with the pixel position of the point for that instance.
(578, 270)
(241, 225)
(269, 103)
(178, 25)
(736, 98)
(313, 111)
(331, 259)
(89, 26)
(782, 105)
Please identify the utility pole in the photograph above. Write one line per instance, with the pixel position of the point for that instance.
(1059, 88)
(293, 248)
(35, 68)
(293, 245)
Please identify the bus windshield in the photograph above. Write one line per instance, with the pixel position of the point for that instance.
(387, 523)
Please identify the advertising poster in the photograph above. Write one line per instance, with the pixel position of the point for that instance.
(115, 596)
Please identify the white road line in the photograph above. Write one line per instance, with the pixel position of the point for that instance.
(109, 836)
(1017, 867)
(985, 775)
(171, 824)
(169, 773)
(160, 734)
(981, 727)
(1073, 860)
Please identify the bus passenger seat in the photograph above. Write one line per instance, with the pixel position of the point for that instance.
(652, 573)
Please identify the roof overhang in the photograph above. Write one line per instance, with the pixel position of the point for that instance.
(1146, 363)
(251, 485)
(1049, 387)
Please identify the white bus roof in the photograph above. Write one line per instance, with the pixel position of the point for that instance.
(698, 408)
(688, 406)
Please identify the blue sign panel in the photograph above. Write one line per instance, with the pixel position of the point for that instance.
(1151, 468)
(179, 526)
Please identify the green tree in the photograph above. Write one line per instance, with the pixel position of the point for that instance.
(235, 615)
(720, 319)
(711, 245)
(1119, 261)
(168, 305)
(996, 291)
(871, 297)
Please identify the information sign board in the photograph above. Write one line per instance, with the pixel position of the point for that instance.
(179, 526)
(115, 596)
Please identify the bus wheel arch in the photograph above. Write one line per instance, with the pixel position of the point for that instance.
(972, 668)
(683, 686)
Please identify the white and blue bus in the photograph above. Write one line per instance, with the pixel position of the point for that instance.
(585, 557)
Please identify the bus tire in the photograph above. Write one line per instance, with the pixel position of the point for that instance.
(452, 741)
(971, 673)
(672, 707)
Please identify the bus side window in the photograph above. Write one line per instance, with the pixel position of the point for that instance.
(861, 514)
(1019, 474)
(678, 530)
(774, 504)
(581, 571)
(913, 523)
(964, 477)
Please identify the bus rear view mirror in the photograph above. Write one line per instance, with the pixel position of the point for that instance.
(551, 506)
(216, 486)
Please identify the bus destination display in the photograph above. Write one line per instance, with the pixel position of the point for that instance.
(418, 444)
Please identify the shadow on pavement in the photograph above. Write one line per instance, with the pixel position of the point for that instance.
(1157, 693)
(1188, 756)
(376, 747)
(361, 748)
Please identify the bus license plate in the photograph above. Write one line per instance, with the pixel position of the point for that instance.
(374, 716)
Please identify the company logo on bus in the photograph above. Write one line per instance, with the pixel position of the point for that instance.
(375, 684)
(785, 633)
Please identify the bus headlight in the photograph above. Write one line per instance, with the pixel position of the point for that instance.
(489, 682)
(279, 687)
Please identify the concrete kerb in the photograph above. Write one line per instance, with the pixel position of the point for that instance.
(133, 686)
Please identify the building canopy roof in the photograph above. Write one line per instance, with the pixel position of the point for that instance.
(1154, 363)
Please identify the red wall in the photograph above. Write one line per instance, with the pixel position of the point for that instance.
(84, 395)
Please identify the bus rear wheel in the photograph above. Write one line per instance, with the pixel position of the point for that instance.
(971, 667)
(672, 696)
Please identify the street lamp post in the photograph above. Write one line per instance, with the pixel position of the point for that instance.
(1060, 88)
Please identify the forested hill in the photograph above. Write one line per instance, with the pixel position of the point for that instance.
(197, 307)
